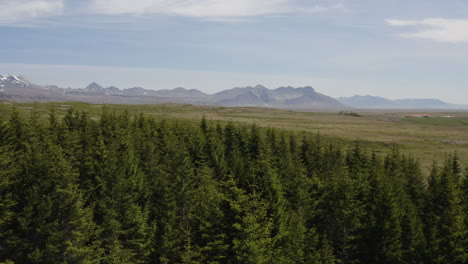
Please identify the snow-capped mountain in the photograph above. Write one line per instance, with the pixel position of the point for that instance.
(12, 80)
(18, 89)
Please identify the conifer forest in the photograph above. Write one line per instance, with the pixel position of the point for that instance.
(125, 188)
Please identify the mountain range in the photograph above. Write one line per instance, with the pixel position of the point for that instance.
(19, 89)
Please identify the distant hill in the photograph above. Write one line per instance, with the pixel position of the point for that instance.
(17, 88)
(375, 102)
(94, 87)
(366, 101)
(181, 92)
(422, 103)
(283, 97)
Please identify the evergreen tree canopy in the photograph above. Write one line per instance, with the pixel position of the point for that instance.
(133, 189)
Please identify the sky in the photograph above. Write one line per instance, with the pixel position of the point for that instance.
(394, 49)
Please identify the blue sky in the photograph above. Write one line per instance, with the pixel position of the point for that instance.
(395, 49)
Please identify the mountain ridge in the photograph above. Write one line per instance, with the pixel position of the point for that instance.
(283, 97)
(17, 88)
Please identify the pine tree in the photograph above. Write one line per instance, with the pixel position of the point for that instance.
(51, 225)
(253, 242)
(445, 227)
(341, 215)
(7, 182)
(121, 209)
(463, 256)
(174, 191)
(209, 228)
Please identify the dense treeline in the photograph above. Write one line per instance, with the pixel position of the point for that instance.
(122, 189)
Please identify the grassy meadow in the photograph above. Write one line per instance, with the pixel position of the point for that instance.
(427, 139)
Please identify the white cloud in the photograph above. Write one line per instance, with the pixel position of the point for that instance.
(18, 11)
(201, 8)
(436, 29)
(399, 23)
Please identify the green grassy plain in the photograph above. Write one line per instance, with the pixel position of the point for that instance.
(441, 121)
(427, 139)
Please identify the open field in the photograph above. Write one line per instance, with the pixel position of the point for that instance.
(441, 121)
(424, 138)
